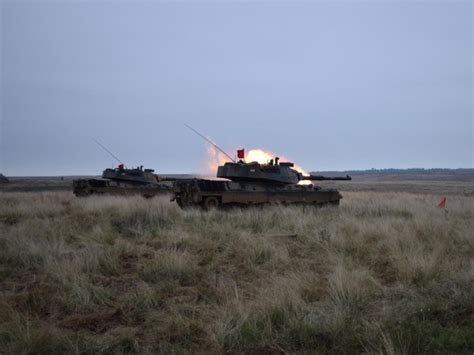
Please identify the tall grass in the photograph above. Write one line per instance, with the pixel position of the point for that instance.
(383, 273)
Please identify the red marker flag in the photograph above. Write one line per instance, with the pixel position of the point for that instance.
(442, 203)
(241, 153)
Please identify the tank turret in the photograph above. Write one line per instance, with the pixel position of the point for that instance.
(137, 176)
(272, 172)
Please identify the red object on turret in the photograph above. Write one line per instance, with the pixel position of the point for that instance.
(120, 167)
(241, 153)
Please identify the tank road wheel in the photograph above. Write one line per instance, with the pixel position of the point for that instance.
(210, 203)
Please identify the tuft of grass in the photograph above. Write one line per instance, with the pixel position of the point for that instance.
(169, 265)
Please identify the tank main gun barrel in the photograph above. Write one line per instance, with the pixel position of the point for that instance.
(321, 178)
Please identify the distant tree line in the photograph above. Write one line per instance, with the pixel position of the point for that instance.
(409, 171)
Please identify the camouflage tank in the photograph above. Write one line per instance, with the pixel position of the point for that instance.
(254, 184)
(123, 181)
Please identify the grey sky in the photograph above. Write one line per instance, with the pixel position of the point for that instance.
(331, 85)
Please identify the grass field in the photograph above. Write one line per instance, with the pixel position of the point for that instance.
(386, 272)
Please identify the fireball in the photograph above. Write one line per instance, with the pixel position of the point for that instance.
(258, 155)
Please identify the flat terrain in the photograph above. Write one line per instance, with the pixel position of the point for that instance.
(386, 272)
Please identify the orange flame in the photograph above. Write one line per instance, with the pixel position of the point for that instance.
(259, 155)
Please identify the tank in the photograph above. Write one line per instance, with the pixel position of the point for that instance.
(254, 184)
(124, 181)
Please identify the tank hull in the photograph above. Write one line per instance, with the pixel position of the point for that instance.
(87, 187)
(213, 193)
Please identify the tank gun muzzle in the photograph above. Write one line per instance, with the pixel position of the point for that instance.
(321, 178)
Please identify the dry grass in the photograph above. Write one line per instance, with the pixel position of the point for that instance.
(383, 273)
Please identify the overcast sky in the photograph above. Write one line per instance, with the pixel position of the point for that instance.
(331, 85)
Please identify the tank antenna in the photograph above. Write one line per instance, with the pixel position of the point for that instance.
(210, 142)
(108, 151)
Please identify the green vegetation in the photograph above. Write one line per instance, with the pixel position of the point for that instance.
(383, 273)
